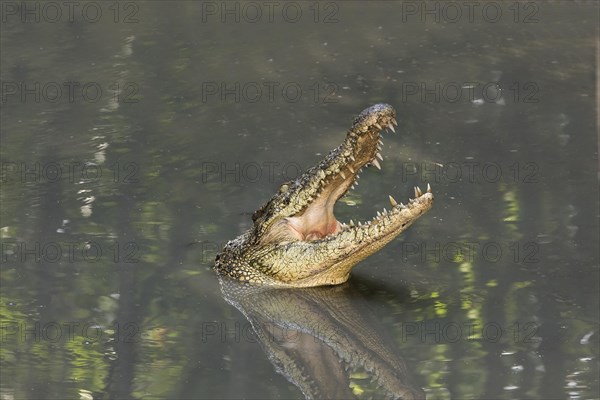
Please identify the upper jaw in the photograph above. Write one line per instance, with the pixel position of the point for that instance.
(306, 205)
(361, 146)
(326, 182)
(337, 173)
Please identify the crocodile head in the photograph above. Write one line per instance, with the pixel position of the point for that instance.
(297, 241)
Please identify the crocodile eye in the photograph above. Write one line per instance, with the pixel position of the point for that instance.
(284, 188)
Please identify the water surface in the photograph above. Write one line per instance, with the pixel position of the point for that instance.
(137, 141)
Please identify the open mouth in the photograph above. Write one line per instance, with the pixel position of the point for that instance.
(296, 240)
(339, 172)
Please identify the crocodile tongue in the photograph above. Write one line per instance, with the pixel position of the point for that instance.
(317, 221)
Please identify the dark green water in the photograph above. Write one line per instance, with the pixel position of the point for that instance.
(138, 137)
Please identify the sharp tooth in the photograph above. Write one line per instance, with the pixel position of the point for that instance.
(394, 121)
(343, 174)
(376, 163)
(416, 193)
(378, 214)
(352, 157)
(419, 191)
(351, 223)
(359, 223)
(402, 205)
(392, 128)
(380, 142)
(377, 125)
(428, 188)
(351, 169)
(384, 211)
(379, 156)
(393, 201)
(352, 187)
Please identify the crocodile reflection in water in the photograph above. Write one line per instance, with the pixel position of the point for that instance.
(317, 337)
(297, 241)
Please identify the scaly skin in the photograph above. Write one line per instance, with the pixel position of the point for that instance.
(296, 240)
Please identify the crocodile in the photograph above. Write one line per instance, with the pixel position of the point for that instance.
(296, 241)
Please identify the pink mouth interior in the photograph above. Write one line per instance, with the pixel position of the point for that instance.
(318, 220)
